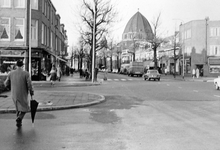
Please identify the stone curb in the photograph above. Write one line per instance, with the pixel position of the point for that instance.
(66, 84)
(62, 107)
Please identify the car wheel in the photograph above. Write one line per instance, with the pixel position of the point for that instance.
(148, 79)
(158, 79)
(144, 78)
(216, 86)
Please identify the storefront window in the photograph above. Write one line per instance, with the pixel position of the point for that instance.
(214, 69)
(7, 64)
(34, 68)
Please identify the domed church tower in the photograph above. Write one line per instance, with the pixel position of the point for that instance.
(137, 28)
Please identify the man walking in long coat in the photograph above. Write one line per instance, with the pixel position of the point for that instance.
(20, 82)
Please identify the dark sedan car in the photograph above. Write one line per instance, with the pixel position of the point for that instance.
(152, 74)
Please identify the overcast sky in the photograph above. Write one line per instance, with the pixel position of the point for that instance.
(173, 12)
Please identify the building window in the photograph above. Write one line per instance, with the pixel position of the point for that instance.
(5, 3)
(48, 12)
(19, 3)
(51, 16)
(34, 4)
(34, 31)
(42, 34)
(48, 36)
(215, 31)
(45, 8)
(19, 29)
(4, 29)
(51, 40)
(56, 44)
(188, 51)
(188, 34)
(214, 50)
(45, 35)
(42, 6)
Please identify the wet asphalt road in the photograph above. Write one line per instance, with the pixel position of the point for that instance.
(137, 115)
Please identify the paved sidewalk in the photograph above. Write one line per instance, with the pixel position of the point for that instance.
(189, 78)
(56, 100)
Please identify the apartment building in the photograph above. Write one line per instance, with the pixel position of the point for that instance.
(48, 36)
(200, 44)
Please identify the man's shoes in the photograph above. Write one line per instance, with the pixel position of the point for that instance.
(18, 122)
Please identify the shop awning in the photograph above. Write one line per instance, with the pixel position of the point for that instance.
(56, 56)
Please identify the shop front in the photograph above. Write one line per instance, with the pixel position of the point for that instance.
(214, 66)
(8, 59)
(41, 62)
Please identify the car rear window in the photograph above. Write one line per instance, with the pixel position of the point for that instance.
(153, 71)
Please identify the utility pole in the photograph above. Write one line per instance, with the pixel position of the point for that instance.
(94, 41)
(30, 39)
(206, 38)
(174, 55)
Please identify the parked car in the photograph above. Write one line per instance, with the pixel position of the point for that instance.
(217, 83)
(152, 74)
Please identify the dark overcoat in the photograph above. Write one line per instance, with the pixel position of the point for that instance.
(20, 86)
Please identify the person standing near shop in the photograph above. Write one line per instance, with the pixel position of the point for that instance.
(53, 75)
(21, 85)
(193, 73)
(197, 72)
(59, 73)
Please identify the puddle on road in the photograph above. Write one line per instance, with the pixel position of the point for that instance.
(104, 113)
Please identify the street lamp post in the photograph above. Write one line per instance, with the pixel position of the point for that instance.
(93, 45)
(29, 40)
(183, 39)
(183, 48)
(206, 38)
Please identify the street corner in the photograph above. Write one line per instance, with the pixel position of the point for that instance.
(67, 84)
(66, 100)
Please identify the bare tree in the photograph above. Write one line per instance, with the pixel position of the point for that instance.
(156, 41)
(103, 13)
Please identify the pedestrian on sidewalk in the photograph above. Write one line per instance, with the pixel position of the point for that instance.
(53, 74)
(193, 73)
(165, 71)
(197, 73)
(21, 84)
(71, 71)
(59, 73)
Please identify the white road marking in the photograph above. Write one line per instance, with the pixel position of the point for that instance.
(195, 91)
(130, 79)
(116, 79)
(217, 95)
(123, 79)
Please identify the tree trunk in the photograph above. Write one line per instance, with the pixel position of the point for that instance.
(111, 63)
(155, 58)
(134, 56)
(104, 59)
(174, 69)
(78, 63)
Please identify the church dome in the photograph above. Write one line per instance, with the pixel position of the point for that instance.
(139, 27)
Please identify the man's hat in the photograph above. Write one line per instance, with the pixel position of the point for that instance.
(20, 63)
